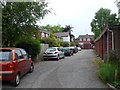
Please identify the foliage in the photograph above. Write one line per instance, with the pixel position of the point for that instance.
(106, 72)
(19, 20)
(54, 29)
(116, 84)
(72, 43)
(51, 40)
(68, 28)
(110, 71)
(101, 19)
(64, 44)
(31, 46)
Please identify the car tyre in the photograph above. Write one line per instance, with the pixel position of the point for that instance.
(58, 57)
(63, 56)
(31, 68)
(16, 82)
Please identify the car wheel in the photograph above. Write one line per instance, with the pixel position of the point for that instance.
(31, 68)
(58, 57)
(16, 82)
(63, 56)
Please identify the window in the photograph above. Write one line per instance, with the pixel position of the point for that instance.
(5, 55)
(18, 54)
(80, 39)
(24, 54)
(88, 39)
(84, 39)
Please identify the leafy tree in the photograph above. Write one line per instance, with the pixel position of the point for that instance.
(101, 19)
(31, 46)
(54, 28)
(51, 40)
(19, 20)
(68, 28)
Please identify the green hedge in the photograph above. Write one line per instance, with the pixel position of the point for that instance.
(64, 44)
(31, 46)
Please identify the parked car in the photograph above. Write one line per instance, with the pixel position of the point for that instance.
(67, 51)
(14, 63)
(54, 53)
(79, 49)
(74, 48)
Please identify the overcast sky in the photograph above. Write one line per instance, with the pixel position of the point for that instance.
(77, 13)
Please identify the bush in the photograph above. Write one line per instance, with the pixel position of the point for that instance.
(64, 44)
(51, 40)
(31, 46)
(72, 43)
(106, 72)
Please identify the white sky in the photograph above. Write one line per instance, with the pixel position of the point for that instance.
(77, 13)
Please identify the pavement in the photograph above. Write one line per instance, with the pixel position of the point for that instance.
(77, 71)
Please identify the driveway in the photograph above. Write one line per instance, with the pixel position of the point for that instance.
(77, 71)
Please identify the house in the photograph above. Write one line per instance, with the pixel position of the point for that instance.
(85, 41)
(43, 33)
(63, 36)
(108, 41)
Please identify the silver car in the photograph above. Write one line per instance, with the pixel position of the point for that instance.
(54, 53)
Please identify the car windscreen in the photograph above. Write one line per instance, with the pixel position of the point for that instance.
(5, 55)
(51, 50)
(66, 49)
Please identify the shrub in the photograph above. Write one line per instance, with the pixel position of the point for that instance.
(31, 46)
(106, 72)
(72, 43)
(51, 40)
(64, 44)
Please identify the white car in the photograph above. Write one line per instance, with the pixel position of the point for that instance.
(79, 49)
(53, 53)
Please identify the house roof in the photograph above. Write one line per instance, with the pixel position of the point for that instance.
(114, 27)
(61, 34)
(43, 30)
(86, 36)
(108, 27)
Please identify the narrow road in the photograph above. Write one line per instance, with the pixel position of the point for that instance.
(77, 71)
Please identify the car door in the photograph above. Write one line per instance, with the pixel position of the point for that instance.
(20, 61)
(60, 52)
(27, 61)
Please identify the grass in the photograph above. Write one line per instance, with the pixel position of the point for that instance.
(106, 71)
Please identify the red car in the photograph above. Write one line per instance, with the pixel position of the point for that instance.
(14, 63)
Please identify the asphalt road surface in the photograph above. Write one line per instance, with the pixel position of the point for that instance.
(77, 71)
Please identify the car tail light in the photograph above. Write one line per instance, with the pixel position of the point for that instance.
(10, 66)
(55, 52)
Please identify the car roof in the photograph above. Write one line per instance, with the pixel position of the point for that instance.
(9, 48)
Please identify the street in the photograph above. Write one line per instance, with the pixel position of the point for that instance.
(77, 71)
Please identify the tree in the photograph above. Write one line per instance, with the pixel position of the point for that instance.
(19, 20)
(51, 40)
(101, 19)
(68, 28)
(54, 28)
